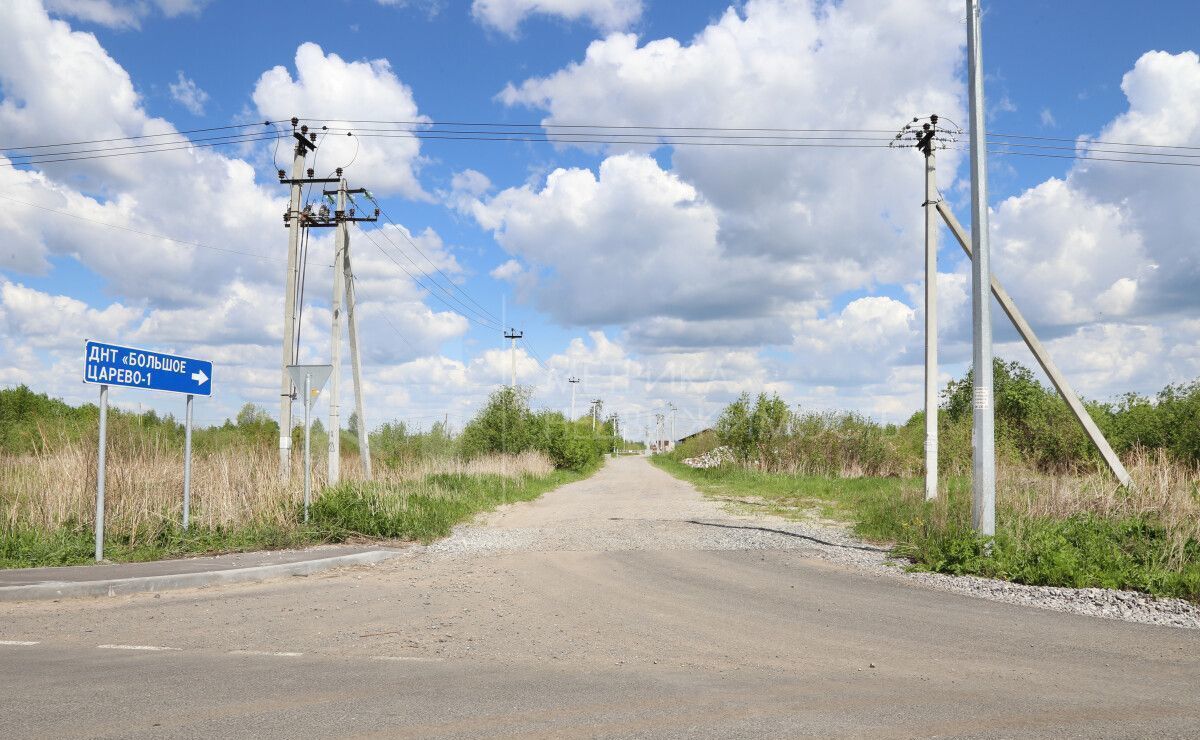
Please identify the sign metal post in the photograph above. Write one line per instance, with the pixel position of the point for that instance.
(187, 462)
(312, 379)
(307, 444)
(100, 473)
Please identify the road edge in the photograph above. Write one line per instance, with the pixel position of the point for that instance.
(171, 582)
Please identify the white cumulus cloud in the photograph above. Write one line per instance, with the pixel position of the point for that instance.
(506, 15)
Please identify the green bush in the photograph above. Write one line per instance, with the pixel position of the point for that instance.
(506, 425)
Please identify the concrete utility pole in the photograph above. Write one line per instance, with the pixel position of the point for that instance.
(925, 144)
(514, 335)
(596, 402)
(574, 382)
(343, 293)
(983, 509)
(291, 316)
(340, 237)
(674, 414)
(926, 138)
(364, 436)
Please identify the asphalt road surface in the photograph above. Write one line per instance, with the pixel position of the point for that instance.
(624, 605)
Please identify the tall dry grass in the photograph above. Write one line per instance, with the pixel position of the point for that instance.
(1163, 488)
(230, 489)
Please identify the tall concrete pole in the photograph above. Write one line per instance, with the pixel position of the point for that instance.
(335, 336)
(364, 436)
(290, 315)
(574, 382)
(674, 413)
(931, 322)
(514, 335)
(983, 509)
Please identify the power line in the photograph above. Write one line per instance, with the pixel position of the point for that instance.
(383, 314)
(1003, 152)
(663, 141)
(460, 306)
(1090, 141)
(536, 356)
(404, 233)
(600, 138)
(417, 280)
(608, 134)
(168, 148)
(141, 136)
(134, 148)
(619, 127)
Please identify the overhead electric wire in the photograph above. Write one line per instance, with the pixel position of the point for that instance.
(460, 306)
(133, 148)
(404, 233)
(663, 141)
(536, 356)
(482, 313)
(1001, 152)
(604, 126)
(600, 134)
(380, 132)
(141, 136)
(1091, 141)
(386, 253)
(172, 147)
(383, 314)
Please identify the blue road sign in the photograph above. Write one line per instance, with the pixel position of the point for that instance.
(111, 364)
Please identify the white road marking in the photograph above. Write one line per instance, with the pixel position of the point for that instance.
(20, 642)
(136, 647)
(265, 652)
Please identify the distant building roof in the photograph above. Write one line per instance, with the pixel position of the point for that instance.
(694, 434)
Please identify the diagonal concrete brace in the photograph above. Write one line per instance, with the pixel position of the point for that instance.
(1043, 358)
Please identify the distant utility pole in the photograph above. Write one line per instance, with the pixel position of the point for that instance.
(674, 413)
(646, 437)
(596, 404)
(983, 510)
(658, 431)
(574, 382)
(514, 335)
(294, 221)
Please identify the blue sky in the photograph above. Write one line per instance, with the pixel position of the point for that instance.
(746, 274)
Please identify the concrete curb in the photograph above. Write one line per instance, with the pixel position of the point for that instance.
(152, 584)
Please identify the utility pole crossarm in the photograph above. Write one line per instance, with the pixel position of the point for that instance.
(1043, 358)
(514, 335)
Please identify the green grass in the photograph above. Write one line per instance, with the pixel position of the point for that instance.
(441, 501)
(1083, 550)
(422, 510)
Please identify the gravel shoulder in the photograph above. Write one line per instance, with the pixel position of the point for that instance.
(835, 542)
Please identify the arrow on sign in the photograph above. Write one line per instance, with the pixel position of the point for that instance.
(200, 377)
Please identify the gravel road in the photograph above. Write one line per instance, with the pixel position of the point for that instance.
(631, 518)
(625, 605)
